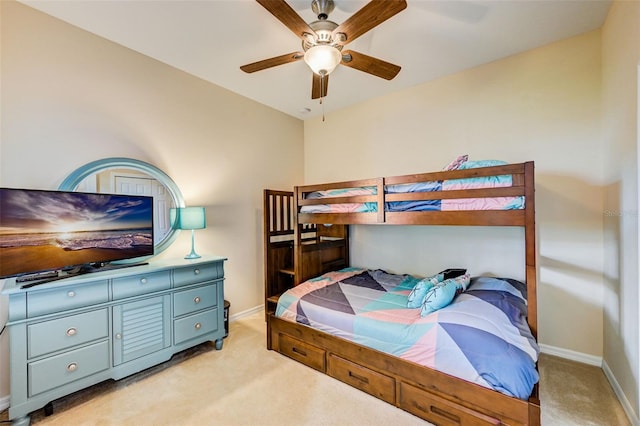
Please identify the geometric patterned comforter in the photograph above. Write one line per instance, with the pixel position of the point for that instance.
(482, 336)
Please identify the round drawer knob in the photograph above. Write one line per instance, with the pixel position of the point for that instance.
(196, 300)
(196, 271)
(71, 293)
(72, 331)
(198, 326)
(72, 367)
(143, 280)
(118, 336)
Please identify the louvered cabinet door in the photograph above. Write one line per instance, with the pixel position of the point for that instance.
(141, 328)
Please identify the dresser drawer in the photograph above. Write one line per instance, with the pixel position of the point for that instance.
(63, 333)
(302, 352)
(379, 385)
(195, 299)
(41, 302)
(67, 367)
(134, 285)
(195, 325)
(440, 411)
(197, 273)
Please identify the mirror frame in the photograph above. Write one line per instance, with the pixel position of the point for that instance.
(71, 182)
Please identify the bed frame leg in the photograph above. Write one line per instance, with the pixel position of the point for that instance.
(534, 414)
(269, 344)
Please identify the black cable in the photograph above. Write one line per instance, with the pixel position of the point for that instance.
(2, 331)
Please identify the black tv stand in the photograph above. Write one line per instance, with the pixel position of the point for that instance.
(31, 280)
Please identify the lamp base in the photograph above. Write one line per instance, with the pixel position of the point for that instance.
(193, 254)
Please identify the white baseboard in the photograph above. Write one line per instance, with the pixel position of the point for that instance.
(246, 313)
(626, 405)
(571, 355)
(4, 402)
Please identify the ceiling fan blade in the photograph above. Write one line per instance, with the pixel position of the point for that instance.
(285, 14)
(372, 14)
(272, 62)
(369, 64)
(319, 86)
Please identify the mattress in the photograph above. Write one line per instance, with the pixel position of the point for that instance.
(482, 336)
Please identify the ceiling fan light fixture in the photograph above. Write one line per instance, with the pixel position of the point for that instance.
(322, 58)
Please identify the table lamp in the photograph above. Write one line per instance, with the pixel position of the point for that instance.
(189, 218)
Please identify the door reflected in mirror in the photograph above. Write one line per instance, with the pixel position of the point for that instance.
(132, 177)
(132, 182)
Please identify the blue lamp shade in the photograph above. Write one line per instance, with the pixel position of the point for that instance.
(188, 218)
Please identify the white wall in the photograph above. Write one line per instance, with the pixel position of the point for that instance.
(69, 97)
(621, 58)
(543, 105)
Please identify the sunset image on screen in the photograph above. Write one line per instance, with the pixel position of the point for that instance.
(42, 230)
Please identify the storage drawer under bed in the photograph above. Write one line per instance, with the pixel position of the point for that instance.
(377, 384)
(305, 353)
(438, 410)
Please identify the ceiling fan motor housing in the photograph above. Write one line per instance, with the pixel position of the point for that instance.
(324, 30)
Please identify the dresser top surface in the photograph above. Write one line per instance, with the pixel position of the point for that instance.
(10, 285)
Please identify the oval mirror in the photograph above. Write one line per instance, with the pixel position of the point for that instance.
(134, 177)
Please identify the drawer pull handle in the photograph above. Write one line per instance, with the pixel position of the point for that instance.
(72, 331)
(71, 293)
(72, 367)
(143, 280)
(299, 351)
(198, 326)
(196, 300)
(358, 377)
(440, 412)
(196, 271)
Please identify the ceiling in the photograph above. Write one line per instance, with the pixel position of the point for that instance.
(211, 39)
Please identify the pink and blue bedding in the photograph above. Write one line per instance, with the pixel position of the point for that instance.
(494, 203)
(482, 336)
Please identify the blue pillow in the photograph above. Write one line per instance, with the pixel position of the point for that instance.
(442, 294)
(420, 289)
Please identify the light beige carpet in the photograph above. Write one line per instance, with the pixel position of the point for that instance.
(244, 384)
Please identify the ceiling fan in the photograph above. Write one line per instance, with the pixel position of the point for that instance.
(323, 40)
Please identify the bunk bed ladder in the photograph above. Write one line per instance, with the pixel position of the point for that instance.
(278, 245)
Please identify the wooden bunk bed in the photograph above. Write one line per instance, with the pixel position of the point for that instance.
(299, 246)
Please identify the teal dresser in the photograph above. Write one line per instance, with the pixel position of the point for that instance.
(70, 334)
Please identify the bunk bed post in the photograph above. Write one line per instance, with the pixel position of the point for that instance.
(380, 200)
(297, 239)
(531, 277)
(266, 227)
(530, 247)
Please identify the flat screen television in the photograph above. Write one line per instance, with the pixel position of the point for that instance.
(45, 233)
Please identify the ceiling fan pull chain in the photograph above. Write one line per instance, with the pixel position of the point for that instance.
(322, 95)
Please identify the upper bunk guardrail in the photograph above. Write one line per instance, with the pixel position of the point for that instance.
(380, 197)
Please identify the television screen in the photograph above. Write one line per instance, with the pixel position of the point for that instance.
(57, 230)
